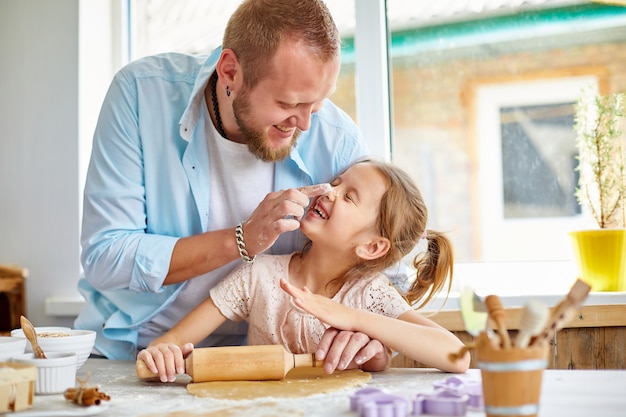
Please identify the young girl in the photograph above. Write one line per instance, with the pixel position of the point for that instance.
(373, 216)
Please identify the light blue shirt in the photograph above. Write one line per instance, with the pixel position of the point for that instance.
(147, 186)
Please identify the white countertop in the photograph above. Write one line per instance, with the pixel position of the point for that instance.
(572, 393)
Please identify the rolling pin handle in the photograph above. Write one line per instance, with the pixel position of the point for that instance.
(142, 370)
(306, 360)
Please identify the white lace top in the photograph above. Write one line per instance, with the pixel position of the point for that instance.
(252, 293)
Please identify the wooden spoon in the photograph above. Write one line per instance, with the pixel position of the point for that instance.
(31, 335)
(534, 317)
(496, 313)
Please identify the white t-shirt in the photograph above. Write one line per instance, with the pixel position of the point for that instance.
(239, 182)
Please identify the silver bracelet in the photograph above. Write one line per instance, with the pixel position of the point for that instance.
(241, 244)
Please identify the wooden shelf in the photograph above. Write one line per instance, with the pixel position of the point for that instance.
(605, 315)
(594, 339)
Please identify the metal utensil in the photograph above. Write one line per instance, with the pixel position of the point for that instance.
(31, 335)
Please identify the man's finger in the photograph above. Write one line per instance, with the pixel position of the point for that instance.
(325, 343)
(315, 190)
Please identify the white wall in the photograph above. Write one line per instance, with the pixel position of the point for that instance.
(42, 139)
(39, 146)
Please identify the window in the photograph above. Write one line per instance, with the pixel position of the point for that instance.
(480, 111)
(548, 189)
(459, 76)
(527, 168)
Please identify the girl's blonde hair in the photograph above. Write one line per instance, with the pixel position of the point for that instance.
(256, 29)
(402, 219)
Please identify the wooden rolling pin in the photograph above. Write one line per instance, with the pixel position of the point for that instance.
(239, 363)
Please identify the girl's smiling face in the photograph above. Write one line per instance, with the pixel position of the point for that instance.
(347, 216)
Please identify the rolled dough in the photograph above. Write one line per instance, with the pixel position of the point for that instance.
(299, 382)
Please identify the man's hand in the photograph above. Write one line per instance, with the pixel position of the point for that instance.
(347, 350)
(279, 212)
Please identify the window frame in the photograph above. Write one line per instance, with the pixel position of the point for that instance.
(494, 228)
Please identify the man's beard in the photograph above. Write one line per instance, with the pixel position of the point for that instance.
(255, 138)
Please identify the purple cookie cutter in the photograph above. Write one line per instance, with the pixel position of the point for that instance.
(374, 402)
(451, 397)
(441, 402)
(472, 388)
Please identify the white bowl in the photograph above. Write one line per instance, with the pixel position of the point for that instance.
(11, 346)
(54, 374)
(43, 329)
(55, 339)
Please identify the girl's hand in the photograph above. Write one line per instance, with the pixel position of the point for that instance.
(326, 310)
(342, 346)
(166, 359)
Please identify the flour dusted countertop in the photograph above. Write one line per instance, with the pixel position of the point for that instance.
(572, 393)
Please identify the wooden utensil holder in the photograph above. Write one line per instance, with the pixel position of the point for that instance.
(511, 378)
(12, 296)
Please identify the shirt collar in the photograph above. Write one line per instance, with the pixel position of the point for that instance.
(190, 115)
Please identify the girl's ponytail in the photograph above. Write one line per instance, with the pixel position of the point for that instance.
(433, 267)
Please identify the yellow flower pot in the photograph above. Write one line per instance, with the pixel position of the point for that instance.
(600, 255)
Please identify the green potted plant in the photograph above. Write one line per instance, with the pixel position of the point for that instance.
(601, 189)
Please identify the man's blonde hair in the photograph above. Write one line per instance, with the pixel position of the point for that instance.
(257, 28)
